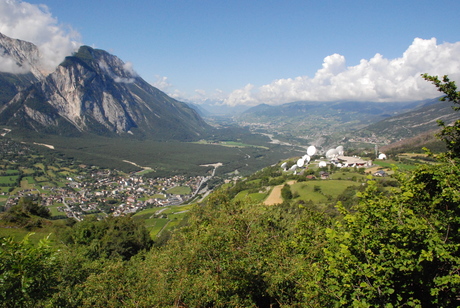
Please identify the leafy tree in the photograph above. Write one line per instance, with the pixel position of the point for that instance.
(231, 254)
(450, 134)
(403, 248)
(112, 237)
(28, 213)
(286, 192)
(33, 207)
(27, 272)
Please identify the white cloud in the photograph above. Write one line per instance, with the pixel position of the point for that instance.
(35, 24)
(377, 79)
(162, 83)
(128, 67)
(9, 65)
(126, 75)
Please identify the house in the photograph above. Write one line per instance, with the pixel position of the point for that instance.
(380, 173)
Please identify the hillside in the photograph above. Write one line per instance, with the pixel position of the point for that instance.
(413, 122)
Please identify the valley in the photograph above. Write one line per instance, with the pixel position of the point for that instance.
(114, 194)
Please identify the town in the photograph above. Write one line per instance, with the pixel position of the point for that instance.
(71, 189)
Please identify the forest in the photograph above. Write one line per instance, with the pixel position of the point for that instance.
(394, 247)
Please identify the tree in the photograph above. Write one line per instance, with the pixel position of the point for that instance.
(286, 192)
(119, 236)
(403, 248)
(450, 134)
(27, 272)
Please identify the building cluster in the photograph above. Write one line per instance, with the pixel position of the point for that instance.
(111, 193)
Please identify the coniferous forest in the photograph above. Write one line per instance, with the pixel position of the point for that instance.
(390, 248)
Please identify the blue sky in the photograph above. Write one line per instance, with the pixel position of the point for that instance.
(251, 52)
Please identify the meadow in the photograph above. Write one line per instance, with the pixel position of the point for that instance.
(160, 218)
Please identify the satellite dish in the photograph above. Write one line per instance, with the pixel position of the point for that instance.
(307, 159)
(300, 162)
(340, 150)
(331, 153)
(322, 164)
(283, 165)
(311, 150)
(293, 167)
(382, 156)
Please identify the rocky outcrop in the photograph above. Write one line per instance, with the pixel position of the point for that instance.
(96, 92)
(20, 57)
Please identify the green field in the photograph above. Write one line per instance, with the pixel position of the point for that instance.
(324, 188)
(160, 218)
(54, 211)
(391, 163)
(8, 179)
(179, 190)
(253, 197)
(18, 234)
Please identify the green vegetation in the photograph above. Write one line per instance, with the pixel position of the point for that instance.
(169, 158)
(161, 219)
(179, 190)
(391, 242)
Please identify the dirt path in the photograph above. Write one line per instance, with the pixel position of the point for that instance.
(275, 195)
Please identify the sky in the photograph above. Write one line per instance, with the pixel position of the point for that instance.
(248, 52)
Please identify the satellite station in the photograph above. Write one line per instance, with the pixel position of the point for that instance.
(335, 156)
(311, 150)
(284, 165)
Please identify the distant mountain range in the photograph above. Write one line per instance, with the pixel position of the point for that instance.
(415, 122)
(90, 92)
(324, 122)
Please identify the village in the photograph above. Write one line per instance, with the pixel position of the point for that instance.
(71, 189)
(109, 193)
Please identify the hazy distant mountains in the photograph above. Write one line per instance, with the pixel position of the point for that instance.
(360, 113)
(90, 92)
(415, 122)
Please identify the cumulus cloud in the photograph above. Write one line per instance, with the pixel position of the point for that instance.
(377, 79)
(214, 98)
(35, 24)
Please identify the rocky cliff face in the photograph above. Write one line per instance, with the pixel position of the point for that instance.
(95, 92)
(20, 57)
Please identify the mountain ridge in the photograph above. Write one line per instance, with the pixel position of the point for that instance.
(95, 92)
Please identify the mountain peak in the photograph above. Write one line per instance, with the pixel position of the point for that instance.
(20, 57)
(94, 91)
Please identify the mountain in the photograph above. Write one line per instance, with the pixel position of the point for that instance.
(20, 67)
(320, 123)
(91, 92)
(357, 112)
(414, 122)
(199, 109)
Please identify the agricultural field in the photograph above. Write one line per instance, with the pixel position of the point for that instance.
(179, 190)
(162, 218)
(320, 191)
